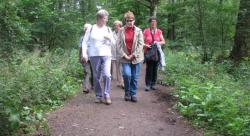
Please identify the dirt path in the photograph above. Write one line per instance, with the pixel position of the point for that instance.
(152, 115)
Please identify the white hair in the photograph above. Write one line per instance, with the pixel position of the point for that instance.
(101, 13)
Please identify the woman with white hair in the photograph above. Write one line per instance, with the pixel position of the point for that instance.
(116, 64)
(87, 83)
(96, 46)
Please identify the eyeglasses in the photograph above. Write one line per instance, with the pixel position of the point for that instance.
(129, 20)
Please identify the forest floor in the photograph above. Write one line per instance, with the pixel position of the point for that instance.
(153, 115)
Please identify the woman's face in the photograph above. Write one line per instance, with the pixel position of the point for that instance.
(130, 21)
(153, 24)
(103, 20)
(116, 27)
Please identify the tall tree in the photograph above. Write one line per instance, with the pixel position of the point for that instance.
(200, 10)
(241, 46)
(151, 5)
(171, 21)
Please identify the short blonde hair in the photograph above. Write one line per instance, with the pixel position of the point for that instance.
(129, 14)
(118, 22)
(101, 13)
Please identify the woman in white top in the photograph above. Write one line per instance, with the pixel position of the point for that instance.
(116, 64)
(96, 46)
(87, 82)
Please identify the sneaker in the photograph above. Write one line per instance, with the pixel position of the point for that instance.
(108, 100)
(133, 99)
(98, 100)
(127, 98)
(147, 88)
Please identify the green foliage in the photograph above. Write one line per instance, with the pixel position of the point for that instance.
(208, 26)
(118, 8)
(209, 95)
(34, 24)
(31, 85)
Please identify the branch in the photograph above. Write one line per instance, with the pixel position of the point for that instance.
(144, 4)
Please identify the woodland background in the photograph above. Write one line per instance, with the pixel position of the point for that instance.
(207, 56)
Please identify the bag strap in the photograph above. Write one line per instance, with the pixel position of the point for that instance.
(153, 39)
(109, 30)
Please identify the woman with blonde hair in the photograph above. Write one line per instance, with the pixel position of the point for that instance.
(130, 43)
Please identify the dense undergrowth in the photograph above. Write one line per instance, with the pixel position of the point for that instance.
(212, 95)
(33, 84)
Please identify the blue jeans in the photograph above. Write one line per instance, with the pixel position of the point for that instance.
(101, 66)
(131, 75)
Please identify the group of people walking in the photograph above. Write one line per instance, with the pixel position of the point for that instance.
(102, 50)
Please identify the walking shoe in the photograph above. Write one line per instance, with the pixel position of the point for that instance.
(121, 86)
(147, 88)
(127, 98)
(85, 90)
(98, 100)
(108, 100)
(133, 99)
(153, 88)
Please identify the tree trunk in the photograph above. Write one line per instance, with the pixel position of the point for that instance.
(222, 23)
(152, 9)
(171, 20)
(241, 46)
(201, 32)
(151, 5)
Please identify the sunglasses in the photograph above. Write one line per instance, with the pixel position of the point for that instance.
(129, 20)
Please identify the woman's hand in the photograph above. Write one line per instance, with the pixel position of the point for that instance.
(84, 59)
(148, 45)
(130, 57)
(107, 37)
(126, 57)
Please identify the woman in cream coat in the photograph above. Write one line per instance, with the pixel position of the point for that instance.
(130, 44)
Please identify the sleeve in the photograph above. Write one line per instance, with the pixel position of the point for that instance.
(85, 42)
(112, 39)
(140, 44)
(145, 33)
(120, 51)
(80, 42)
(113, 45)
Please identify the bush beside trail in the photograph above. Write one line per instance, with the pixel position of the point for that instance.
(212, 95)
(34, 83)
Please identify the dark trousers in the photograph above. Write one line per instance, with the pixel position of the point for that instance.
(151, 73)
(88, 76)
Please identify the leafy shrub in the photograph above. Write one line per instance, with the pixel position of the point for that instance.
(31, 85)
(215, 96)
